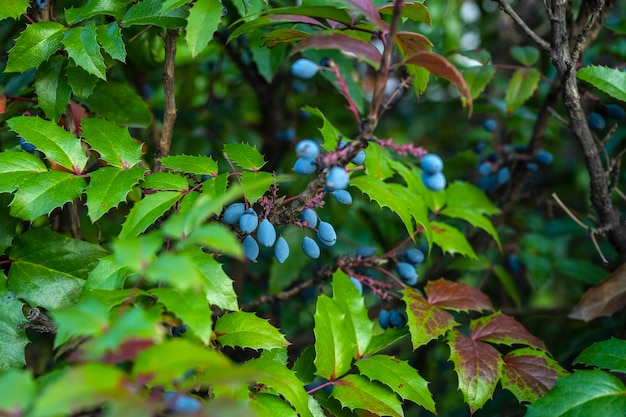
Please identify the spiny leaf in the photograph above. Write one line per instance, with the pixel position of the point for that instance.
(521, 87)
(451, 240)
(218, 287)
(115, 8)
(426, 322)
(204, 17)
(330, 133)
(110, 37)
(412, 10)
(147, 211)
(348, 298)
(52, 88)
(13, 340)
(13, 9)
(356, 391)
(216, 237)
(113, 143)
(18, 167)
(610, 80)
(109, 187)
(81, 45)
(194, 311)
(609, 354)
(148, 12)
(119, 103)
(478, 77)
(256, 184)
(244, 155)
(177, 270)
(473, 218)
(35, 45)
(198, 164)
(457, 296)
(165, 181)
(244, 329)
(108, 275)
(502, 329)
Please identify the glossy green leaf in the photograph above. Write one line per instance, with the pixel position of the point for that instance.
(165, 181)
(267, 405)
(583, 393)
(50, 190)
(473, 218)
(199, 165)
(194, 311)
(243, 329)
(426, 322)
(13, 9)
(172, 4)
(52, 88)
(501, 329)
(81, 81)
(110, 38)
(115, 8)
(477, 78)
(330, 133)
(244, 155)
(609, 354)
(412, 10)
(216, 237)
(352, 303)
(35, 45)
(8, 225)
(147, 211)
(137, 253)
(581, 270)
(609, 80)
(109, 274)
(378, 162)
(108, 187)
(83, 48)
(400, 377)
(19, 391)
(55, 142)
(521, 87)
(386, 339)
(357, 392)
(462, 194)
(478, 366)
(112, 142)
(18, 167)
(451, 240)
(176, 270)
(526, 55)
(13, 340)
(335, 344)
(120, 104)
(218, 287)
(88, 317)
(148, 12)
(256, 184)
(204, 17)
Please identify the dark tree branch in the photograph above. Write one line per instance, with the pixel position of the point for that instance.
(504, 6)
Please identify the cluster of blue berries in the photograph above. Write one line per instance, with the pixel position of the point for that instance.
(393, 318)
(596, 120)
(326, 235)
(408, 261)
(432, 175)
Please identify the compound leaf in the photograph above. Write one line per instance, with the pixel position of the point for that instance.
(352, 303)
(120, 104)
(109, 187)
(218, 287)
(451, 240)
(13, 340)
(35, 45)
(501, 329)
(148, 12)
(13, 9)
(110, 37)
(115, 8)
(18, 167)
(194, 311)
(147, 211)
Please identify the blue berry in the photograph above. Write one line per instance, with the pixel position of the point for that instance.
(357, 284)
(342, 196)
(305, 166)
(233, 213)
(383, 319)
(615, 111)
(544, 157)
(205, 177)
(596, 121)
(250, 248)
(308, 216)
(532, 167)
(304, 68)
(479, 147)
(432, 164)
(487, 183)
(326, 234)
(366, 251)
(337, 178)
(407, 273)
(434, 182)
(183, 404)
(397, 318)
(484, 168)
(307, 148)
(310, 248)
(266, 233)
(325, 62)
(503, 175)
(359, 158)
(248, 221)
(490, 125)
(413, 256)
(281, 250)
(515, 264)
(177, 331)
(28, 147)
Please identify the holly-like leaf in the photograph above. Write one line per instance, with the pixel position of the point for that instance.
(335, 345)
(583, 393)
(361, 49)
(244, 155)
(13, 9)
(268, 405)
(357, 392)
(243, 329)
(218, 287)
(352, 303)
(473, 218)
(81, 81)
(457, 296)
(139, 252)
(478, 366)
(18, 167)
(50, 190)
(462, 194)
(199, 165)
(330, 133)
(147, 211)
(112, 142)
(81, 45)
(108, 187)
(204, 17)
(400, 377)
(148, 12)
(609, 354)
(110, 37)
(609, 80)
(521, 87)
(477, 78)
(53, 90)
(120, 104)
(604, 299)
(115, 8)
(194, 311)
(529, 373)
(501, 329)
(426, 322)
(526, 55)
(386, 339)
(55, 142)
(165, 181)
(20, 390)
(108, 275)
(451, 240)
(13, 340)
(256, 184)
(8, 225)
(35, 45)
(88, 317)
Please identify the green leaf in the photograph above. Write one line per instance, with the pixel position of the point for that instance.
(8, 225)
(13, 8)
(335, 344)
(108, 187)
(216, 237)
(246, 330)
(580, 270)
(386, 339)
(400, 377)
(583, 393)
(526, 55)
(115, 8)
(378, 162)
(413, 10)
(244, 155)
(120, 104)
(478, 77)
(612, 81)
(13, 340)
(81, 45)
(88, 317)
(609, 354)
(356, 391)
(330, 133)
(147, 211)
(194, 311)
(34, 46)
(81, 81)
(175, 269)
(218, 287)
(172, 4)
(53, 90)
(204, 17)
(451, 240)
(110, 37)
(50, 190)
(478, 366)
(462, 194)
(55, 142)
(112, 142)
(521, 87)
(139, 252)
(165, 181)
(199, 165)
(18, 167)
(20, 390)
(352, 304)
(256, 184)
(426, 322)
(148, 12)
(473, 218)
(267, 405)
(109, 275)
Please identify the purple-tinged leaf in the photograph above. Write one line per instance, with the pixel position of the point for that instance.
(412, 10)
(410, 42)
(426, 322)
(362, 50)
(503, 330)
(280, 36)
(457, 296)
(369, 11)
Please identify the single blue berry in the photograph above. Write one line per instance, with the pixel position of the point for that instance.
(250, 248)
(182, 404)
(233, 213)
(359, 158)
(326, 234)
(28, 147)
(304, 68)
(615, 111)
(544, 157)
(325, 62)
(503, 175)
(431, 163)
(357, 284)
(366, 251)
(532, 167)
(515, 264)
(248, 221)
(337, 178)
(383, 319)
(266, 233)
(434, 182)
(413, 256)
(177, 331)
(596, 121)
(281, 250)
(342, 196)
(397, 318)
(310, 248)
(305, 166)
(487, 183)
(490, 125)
(407, 273)
(307, 148)
(485, 168)
(309, 216)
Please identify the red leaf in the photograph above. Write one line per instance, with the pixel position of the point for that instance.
(3, 103)
(410, 42)
(361, 49)
(426, 322)
(441, 67)
(604, 299)
(529, 373)
(457, 296)
(504, 330)
(293, 18)
(478, 366)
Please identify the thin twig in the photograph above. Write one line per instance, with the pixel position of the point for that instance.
(569, 212)
(504, 6)
(582, 36)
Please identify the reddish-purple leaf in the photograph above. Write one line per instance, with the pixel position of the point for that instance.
(604, 299)
(503, 330)
(292, 18)
(529, 373)
(457, 296)
(278, 36)
(426, 322)
(441, 67)
(410, 42)
(478, 366)
(360, 49)
(369, 11)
